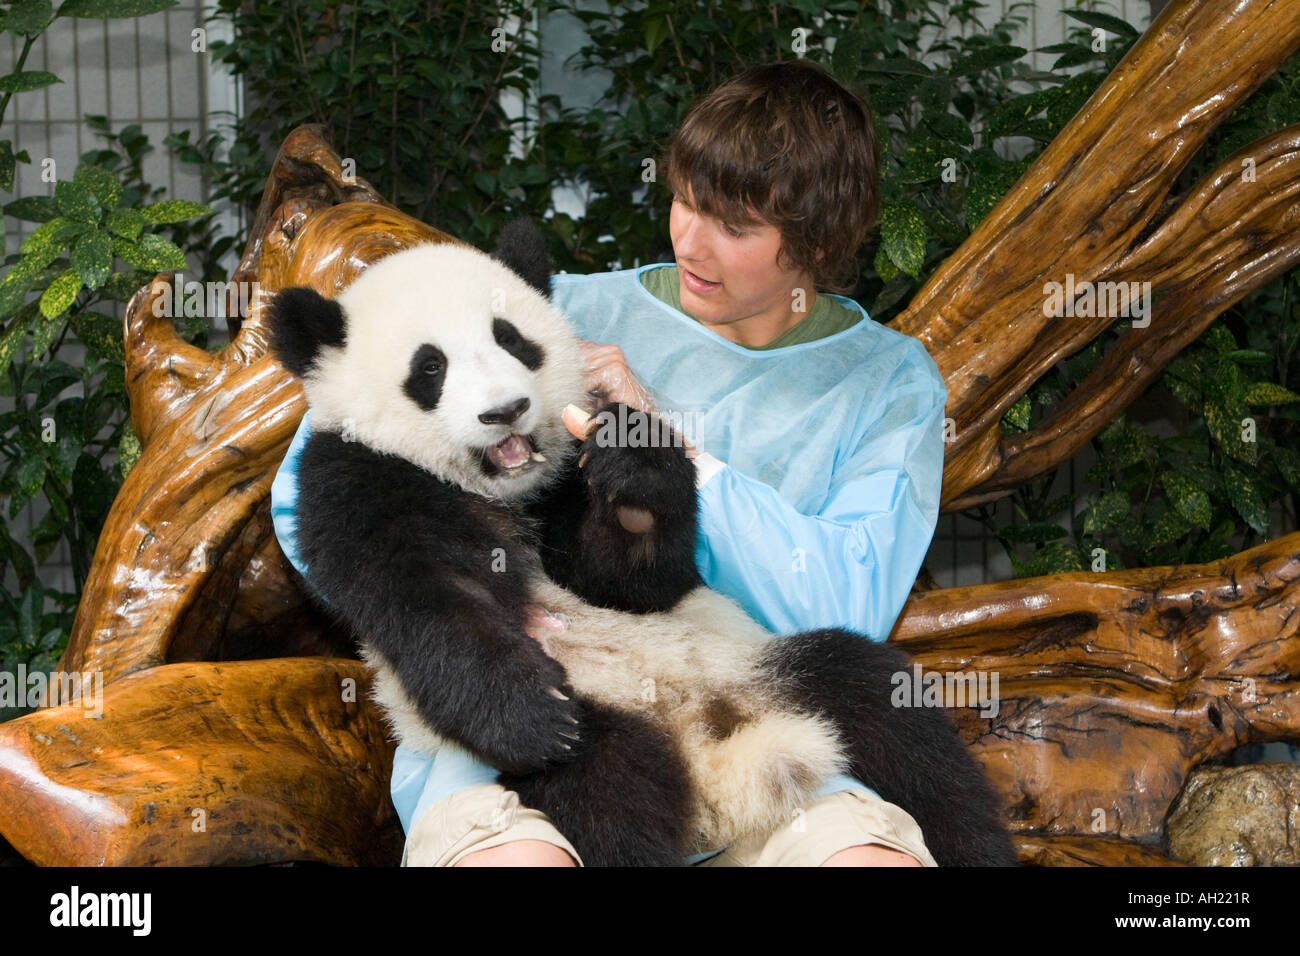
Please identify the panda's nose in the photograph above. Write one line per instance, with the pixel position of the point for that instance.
(505, 414)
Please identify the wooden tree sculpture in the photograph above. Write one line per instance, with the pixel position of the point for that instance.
(229, 733)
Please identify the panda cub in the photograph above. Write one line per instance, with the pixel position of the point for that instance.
(443, 506)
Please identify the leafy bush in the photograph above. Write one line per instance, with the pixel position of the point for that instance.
(66, 439)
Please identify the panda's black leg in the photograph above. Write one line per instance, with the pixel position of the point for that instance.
(912, 756)
(623, 800)
(620, 528)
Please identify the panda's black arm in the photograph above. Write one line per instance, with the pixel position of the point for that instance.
(585, 545)
(413, 567)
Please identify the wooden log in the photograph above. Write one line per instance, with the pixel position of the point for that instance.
(1112, 687)
(1094, 205)
(205, 764)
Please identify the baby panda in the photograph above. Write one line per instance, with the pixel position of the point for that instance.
(444, 508)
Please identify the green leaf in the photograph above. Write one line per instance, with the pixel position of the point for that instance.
(898, 65)
(983, 193)
(1125, 443)
(27, 81)
(127, 223)
(32, 208)
(1246, 498)
(92, 258)
(1224, 423)
(883, 265)
(8, 163)
(60, 295)
(100, 334)
(1288, 463)
(1248, 356)
(1168, 528)
(1190, 501)
(29, 17)
(10, 343)
(174, 210)
(31, 470)
(1055, 558)
(106, 187)
(655, 31)
(1219, 338)
(113, 9)
(1268, 393)
(52, 239)
(986, 58)
(152, 252)
(1112, 508)
(122, 285)
(47, 535)
(1016, 113)
(902, 233)
(951, 127)
(847, 60)
(1105, 21)
(1017, 416)
(76, 201)
(128, 449)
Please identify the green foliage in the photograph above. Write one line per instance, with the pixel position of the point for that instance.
(66, 439)
(410, 92)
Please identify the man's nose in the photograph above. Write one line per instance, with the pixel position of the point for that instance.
(689, 244)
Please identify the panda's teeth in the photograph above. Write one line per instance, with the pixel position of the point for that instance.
(512, 453)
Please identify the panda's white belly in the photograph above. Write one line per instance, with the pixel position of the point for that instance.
(695, 671)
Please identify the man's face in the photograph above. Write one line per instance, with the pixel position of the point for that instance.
(729, 273)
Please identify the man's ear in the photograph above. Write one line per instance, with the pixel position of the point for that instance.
(521, 249)
(302, 322)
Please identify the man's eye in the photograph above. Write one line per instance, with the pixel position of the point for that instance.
(732, 230)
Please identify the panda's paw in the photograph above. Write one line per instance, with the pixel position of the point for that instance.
(542, 728)
(636, 467)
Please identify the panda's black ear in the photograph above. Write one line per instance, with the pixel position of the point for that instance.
(302, 322)
(521, 248)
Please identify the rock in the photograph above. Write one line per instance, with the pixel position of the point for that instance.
(1238, 816)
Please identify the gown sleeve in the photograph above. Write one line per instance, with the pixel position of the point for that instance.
(852, 563)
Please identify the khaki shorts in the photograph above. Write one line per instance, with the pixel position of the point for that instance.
(486, 816)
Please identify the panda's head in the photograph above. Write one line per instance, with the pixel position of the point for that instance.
(442, 355)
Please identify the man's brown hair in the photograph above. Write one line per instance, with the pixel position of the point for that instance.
(788, 144)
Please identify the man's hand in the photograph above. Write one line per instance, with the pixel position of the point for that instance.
(609, 379)
(581, 424)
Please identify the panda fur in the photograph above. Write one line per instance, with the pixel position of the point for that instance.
(663, 720)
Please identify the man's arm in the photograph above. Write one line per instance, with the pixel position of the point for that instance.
(853, 563)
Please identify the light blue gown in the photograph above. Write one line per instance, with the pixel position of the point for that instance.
(824, 508)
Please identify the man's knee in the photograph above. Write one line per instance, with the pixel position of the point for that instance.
(519, 853)
(872, 854)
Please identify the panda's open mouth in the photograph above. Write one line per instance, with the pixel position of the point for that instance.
(511, 456)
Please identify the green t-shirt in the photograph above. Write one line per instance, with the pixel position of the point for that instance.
(826, 317)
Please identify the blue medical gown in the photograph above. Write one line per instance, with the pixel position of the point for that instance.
(825, 503)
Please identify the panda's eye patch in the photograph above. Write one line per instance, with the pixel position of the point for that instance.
(510, 339)
(425, 375)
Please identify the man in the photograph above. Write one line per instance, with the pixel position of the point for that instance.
(819, 435)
